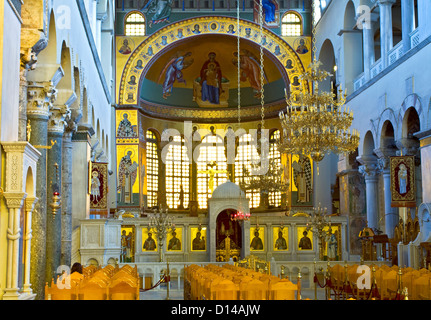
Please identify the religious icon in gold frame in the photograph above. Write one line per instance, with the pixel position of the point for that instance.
(149, 240)
(281, 238)
(331, 243)
(305, 238)
(198, 238)
(127, 244)
(174, 239)
(257, 235)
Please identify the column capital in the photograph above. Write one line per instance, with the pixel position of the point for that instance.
(29, 203)
(58, 116)
(14, 200)
(385, 2)
(370, 167)
(41, 96)
(384, 155)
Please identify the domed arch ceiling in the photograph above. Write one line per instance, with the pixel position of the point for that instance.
(145, 78)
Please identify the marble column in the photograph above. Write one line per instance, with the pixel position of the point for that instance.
(391, 213)
(14, 203)
(371, 171)
(54, 181)
(66, 192)
(368, 44)
(408, 22)
(41, 95)
(386, 34)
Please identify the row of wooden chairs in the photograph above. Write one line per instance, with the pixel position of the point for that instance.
(108, 283)
(234, 283)
(389, 281)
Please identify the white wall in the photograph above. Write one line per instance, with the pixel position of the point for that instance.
(10, 74)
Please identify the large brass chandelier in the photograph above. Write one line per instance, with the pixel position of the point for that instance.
(317, 122)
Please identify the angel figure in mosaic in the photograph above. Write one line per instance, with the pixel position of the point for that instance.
(174, 72)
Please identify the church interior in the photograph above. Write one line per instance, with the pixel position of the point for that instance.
(215, 150)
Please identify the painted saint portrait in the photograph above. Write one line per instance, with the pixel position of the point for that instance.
(125, 47)
(302, 178)
(127, 175)
(305, 239)
(257, 235)
(280, 236)
(127, 244)
(231, 29)
(289, 64)
(211, 80)
(198, 236)
(174, 240)
(139, 65)
(302, 47)
(125, 128)
(149, 240)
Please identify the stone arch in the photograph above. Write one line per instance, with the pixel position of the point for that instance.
(327, 57)
(412, 101)
(369, 144)
(387, 136)
(411, 123)
(387, 116)
(153, 46)
(353, 53)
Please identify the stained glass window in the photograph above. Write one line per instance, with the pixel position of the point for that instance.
(246, 153)
(291, 25)
(177, 174)
(135, 25)
(211, 157)
(152, 169)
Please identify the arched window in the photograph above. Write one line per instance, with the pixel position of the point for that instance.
(291, 25)
(211, 156)
(246, 153)
(152, 169)
(177, 174)
(135, 24)
(274, 198)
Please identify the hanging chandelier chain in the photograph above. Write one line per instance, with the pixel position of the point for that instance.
(239, 65)
(262, 74)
